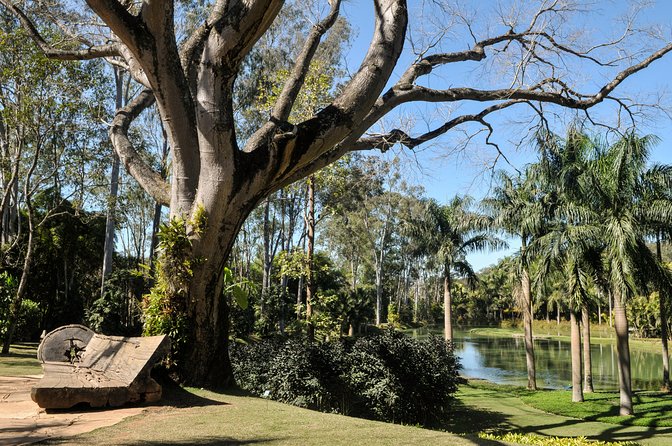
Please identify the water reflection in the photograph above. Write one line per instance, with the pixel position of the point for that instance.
(502, 361)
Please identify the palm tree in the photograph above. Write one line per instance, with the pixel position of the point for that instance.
(572, 241)
(516, 209)
(450, 232)
(616, 192)
(658, 186)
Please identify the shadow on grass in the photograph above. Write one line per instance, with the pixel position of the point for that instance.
(176, 396)
(471, 420)
(615, 432)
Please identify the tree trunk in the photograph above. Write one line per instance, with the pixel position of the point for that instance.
(266, 268)
(15, 306)
(577, 394)
(447, 307)
(379, 294)
(623, 351)
(156, 221)
(310, 282)
(527, 322)
(587, 357)
(663, 326)
(611, 310)
(108, 247)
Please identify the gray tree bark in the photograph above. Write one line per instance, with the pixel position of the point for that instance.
(623, 351)
(577, 393)
(587, 356)
(447, 307)
(110, 221)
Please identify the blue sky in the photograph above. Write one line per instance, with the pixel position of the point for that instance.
(445, 174)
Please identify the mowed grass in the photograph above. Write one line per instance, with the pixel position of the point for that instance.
(21, 361)
(200, 417)
(652, 409)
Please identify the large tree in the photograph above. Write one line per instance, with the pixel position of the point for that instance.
(220, 178)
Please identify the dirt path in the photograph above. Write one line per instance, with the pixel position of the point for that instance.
(23, 422)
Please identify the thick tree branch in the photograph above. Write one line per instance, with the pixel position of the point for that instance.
(150, 180)
(566, 98)
(292, 87)
(238, 29)
(192, 48)
(123, 24)
(294, 151)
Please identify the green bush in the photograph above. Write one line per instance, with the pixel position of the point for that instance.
(387, 376)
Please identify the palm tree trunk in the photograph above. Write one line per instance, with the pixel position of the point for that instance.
(447, 307)
(527, 322)
(663, 337)
(577, 393)
(623, 351)
(587, 357)
(663, 326)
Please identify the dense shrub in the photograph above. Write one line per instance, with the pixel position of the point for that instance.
(387, 376)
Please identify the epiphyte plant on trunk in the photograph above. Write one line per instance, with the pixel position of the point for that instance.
(192, 81)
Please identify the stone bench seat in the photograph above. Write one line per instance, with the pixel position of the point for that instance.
(84, 367)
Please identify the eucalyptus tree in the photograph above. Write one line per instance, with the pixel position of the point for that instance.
(450, 232)
(215, 174)
(517, 209)
(42, 104)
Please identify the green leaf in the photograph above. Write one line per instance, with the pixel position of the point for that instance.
(240, 296)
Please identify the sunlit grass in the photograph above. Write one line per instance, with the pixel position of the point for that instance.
(200, 417)
(652, 409)
(21, 361)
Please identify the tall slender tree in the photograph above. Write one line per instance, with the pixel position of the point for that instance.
(516, 209)
(616, 192)
(450, 232)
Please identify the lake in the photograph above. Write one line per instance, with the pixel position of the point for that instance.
(502, 360)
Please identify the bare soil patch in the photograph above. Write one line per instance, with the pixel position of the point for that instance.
(24, 422)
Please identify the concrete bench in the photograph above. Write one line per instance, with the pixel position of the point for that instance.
(81, 366)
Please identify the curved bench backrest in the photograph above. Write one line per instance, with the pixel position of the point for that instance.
(65, 344)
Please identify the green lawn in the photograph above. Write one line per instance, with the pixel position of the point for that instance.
(200, 417)
(22, 360)
(651, 408)
(600, 334)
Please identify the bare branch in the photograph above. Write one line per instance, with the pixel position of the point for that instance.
(92, 52)
(384, 142)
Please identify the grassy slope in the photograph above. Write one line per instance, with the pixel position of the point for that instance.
(206, 418)
(21, 361)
